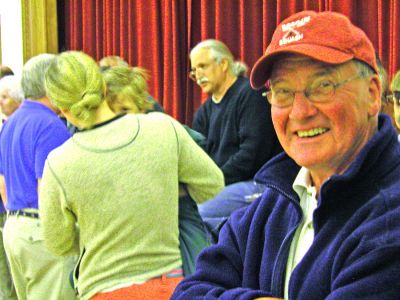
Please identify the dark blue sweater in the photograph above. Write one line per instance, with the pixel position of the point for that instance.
(239, 131)
(356, 249)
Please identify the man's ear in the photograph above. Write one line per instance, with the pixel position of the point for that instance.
(374, 95)
(225, 64)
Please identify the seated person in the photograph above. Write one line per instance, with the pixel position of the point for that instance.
(327, 225)
(395, 97)
(240, 194)
(215, 212)
(236, 121)
(387, 103)
(117, 179)
(114, 61)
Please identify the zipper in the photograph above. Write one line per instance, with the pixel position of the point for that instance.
(278, 282)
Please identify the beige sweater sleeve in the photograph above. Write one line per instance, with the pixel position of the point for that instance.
(202, 177)
(58, 222)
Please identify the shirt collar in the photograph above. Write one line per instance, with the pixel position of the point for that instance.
(307, 193)
(302, 181)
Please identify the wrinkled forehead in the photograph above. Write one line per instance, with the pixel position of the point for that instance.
(288, 62)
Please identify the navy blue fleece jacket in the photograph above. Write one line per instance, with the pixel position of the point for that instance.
(356, 249)
(239, 131)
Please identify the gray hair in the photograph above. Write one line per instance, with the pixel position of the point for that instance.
(220, 51)
(33, 73)
(364, 68)
(13, 85)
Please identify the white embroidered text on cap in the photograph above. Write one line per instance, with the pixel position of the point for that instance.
(292, 35)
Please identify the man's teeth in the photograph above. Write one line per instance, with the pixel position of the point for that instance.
(311, 132)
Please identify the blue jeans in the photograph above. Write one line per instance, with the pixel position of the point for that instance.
(216, 211)
(192, 234)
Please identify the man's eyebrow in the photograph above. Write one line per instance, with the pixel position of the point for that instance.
(199, 65)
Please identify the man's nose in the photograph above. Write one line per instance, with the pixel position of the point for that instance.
(302, 107)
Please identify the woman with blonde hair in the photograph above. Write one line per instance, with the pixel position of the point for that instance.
(117, 179)
(127, 92)
(133, 84)
(127, 89)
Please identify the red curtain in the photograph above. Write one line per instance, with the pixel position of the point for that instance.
(158, 34)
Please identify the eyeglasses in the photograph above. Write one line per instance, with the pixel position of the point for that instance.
(394, 98)
(320, 91)
(200, 67)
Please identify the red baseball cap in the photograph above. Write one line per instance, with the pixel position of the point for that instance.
(326, 36)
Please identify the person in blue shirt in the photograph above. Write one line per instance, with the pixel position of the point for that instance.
(327, 225)
(26, 139)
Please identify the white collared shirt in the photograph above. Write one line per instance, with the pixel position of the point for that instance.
(304, 234)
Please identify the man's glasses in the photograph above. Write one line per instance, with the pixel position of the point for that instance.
(394, 98)
(199, 68)
(319, 91)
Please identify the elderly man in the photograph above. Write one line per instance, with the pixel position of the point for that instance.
(327, 225)
(27, 137)
(11, 94)
(235, 119)
(236, 122)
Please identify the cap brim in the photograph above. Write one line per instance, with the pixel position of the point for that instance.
(262, 68)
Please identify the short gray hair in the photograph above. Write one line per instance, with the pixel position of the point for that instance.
(220, 51)
(33, 73)
(13, 85)
(364, 68)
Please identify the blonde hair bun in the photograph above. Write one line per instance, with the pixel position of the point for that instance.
(74, 83)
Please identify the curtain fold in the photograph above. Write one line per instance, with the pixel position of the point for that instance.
(158, 35)
(39, 26)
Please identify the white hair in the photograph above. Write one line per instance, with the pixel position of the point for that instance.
(220, 51)
(13, 84)
(33, 73)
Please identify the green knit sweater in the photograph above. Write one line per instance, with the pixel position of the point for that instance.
(119, 183)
